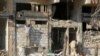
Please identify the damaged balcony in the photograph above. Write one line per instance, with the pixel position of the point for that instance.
(31, 14)
(33, 11)
(62, 23)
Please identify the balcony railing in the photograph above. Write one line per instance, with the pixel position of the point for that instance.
(32, 14)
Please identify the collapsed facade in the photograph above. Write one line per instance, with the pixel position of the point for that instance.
(35, 26)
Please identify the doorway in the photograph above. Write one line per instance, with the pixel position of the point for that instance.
(2, 33)
(72, 34)
(57, 36)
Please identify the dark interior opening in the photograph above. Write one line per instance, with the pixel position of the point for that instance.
(72, 34)
(23, 6)
(63, 0)
(20, 22)
(88, 9)
(61, 11)
(84, 26)
(57, 39)
(2, 33)
(40, 22)
(39, 8)
(2, 4)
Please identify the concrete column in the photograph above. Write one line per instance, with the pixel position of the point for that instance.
(37, 8)
(6, 43)
(10, 7)
(66, 43)
(42, 8)
(49, 30)
(49, 35)
(33, 7)
(79, 34)
(67, 32)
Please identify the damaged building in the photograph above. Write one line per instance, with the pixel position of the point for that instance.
(47, 27)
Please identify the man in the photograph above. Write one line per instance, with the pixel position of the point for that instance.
(27, 27)
(73, 48)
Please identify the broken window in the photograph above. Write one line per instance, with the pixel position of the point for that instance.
(57, 36)
(88, 9)
(23, 6)
(61, 11)
(41, 22)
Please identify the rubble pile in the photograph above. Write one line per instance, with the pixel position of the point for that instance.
(3, 53)
(91, 38)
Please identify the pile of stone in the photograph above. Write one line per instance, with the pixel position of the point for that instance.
(91, 38)
(3, 53)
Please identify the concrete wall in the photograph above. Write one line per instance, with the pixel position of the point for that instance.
(40, 31)
(21, 36)
(11, 37)
(10, 6)
(34, 36)
(37, 33)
